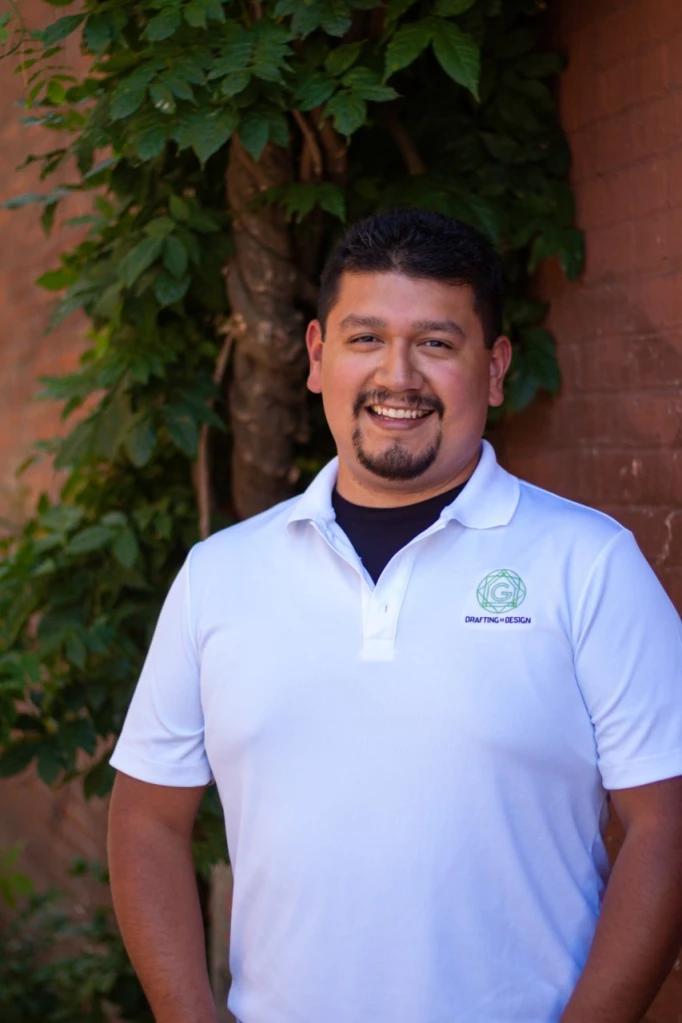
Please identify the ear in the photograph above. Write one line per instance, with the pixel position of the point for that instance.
(500, 359)
(315, 345)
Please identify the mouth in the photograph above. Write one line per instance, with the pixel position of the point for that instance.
(395, 416)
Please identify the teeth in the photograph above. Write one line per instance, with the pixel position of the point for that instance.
(399, 413)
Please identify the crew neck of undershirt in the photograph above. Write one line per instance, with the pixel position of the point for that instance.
(379, 533)
(432, 505)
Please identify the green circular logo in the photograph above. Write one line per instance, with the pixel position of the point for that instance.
(500, 591)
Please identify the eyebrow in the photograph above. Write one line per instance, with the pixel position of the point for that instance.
(445, 326)
(353, 320)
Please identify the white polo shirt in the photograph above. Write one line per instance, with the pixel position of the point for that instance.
(413, 774)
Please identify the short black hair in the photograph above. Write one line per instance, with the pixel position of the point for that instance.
(420, 244)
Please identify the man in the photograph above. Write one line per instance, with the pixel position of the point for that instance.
(414, 686)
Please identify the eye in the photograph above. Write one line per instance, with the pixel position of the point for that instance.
(436, 342)
(364, 339)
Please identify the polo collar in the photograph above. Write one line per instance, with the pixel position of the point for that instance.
(489, 499)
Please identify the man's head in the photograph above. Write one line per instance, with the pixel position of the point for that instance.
(407, 353)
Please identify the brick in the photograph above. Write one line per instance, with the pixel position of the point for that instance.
(616, 141)
(657, 126)
(633, 81)
(651, 242)
(620, 33)
(674, 61)
(659, 300)
(674, 179)
(610, 252)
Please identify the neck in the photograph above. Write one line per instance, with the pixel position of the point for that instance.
(373, 492)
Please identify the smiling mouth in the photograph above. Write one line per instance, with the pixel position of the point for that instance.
(386, 412)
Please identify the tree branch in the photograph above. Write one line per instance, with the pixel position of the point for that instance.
(203, 469)
(335, 149)
(311, 156)
(411, 158)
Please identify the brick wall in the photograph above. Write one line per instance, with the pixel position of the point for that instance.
(56, 827)
(613, 437)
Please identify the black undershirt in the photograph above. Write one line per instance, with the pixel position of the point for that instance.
(379, 533)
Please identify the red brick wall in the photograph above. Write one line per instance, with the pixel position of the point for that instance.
(54, 827)
(613, 437)
(26, 352)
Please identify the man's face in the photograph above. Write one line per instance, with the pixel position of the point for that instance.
(406, 381)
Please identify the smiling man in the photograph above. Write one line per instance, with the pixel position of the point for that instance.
(415, 686)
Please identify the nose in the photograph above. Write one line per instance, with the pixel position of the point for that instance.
(397, 370)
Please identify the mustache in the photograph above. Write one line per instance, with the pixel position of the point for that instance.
(409, 401)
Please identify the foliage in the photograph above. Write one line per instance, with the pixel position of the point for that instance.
(436, 103)
(56, 970)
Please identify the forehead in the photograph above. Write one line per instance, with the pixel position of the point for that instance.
(399, 302)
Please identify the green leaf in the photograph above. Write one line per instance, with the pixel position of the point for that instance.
(540, 65)
(78, 734)
(139, 259)
(55, 280)
(271, 50)
(140, 442)
(178, 208)
(126, 548)
(367, 85)
(75, 651)
(206, 133)
(129, 94)
(236, 49)
(97, 33)
(62, 28)
(163, 25)
(348, 110)
(342, 58)
(92, 538)
(235, 83)
(182, 429)
(50, 764)
(169, 289)
(395, 10)
(451, 8)
(159, 227)
(16, 758)
(406, 45)
(307, 17)
(151, 142)
(175, 256)
(162, 98)
(458, 55)
(99, 779)
(332, 199)
(313, 88)
(336, 21)
(540, 354)
(253, 132)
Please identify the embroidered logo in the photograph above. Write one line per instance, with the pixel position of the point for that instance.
(500, 591)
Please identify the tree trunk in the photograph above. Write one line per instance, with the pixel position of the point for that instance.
(220, 912)
(267, 394)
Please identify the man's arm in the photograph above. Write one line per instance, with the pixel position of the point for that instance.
(155, 896)
(639, 931)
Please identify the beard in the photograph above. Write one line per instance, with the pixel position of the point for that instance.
(396, 462)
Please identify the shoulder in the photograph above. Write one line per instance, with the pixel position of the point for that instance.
(549, 515)
(244, 539)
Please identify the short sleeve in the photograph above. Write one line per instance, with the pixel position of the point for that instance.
(162, 740)
(628, 662)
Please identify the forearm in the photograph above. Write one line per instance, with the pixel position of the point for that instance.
(157, 907)
(638, 934)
